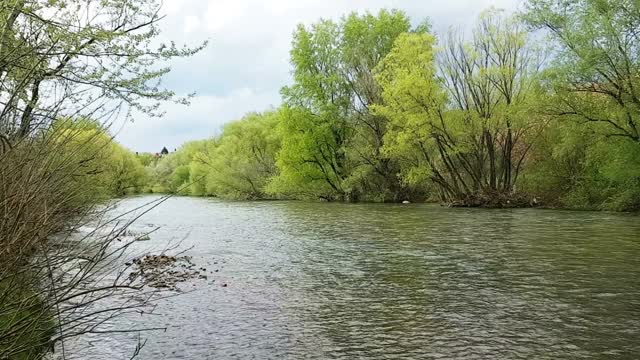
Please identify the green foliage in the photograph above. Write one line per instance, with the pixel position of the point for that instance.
(596, 75)
(236, 165)
(25, 310)
(381, 111)
(244, 160)
(572, 168)
(414, 99)
(146, 159)
(48, 183)
(588, 157)
(67, 67)
(458, 118)
(315, 124)
(102, 166)
(331, 142)
(311, 161)
(108, 46)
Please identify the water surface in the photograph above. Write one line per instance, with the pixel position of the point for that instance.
(373, 281)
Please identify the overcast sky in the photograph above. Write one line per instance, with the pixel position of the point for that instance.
(247, 60)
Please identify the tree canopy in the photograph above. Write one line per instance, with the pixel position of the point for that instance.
(382, 110)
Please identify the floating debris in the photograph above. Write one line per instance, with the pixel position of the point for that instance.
(164, 272)
(129, 235)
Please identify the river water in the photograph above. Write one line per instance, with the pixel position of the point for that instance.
(375, 281)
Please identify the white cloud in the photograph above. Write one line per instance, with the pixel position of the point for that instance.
(191, 23)
(204, 118)
(222, 13)
(172, 7)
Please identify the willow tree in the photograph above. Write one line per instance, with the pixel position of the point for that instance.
(107, 167)
(596, 73)
(590, 157)
(245, 159)
(491, 81)
(332, 141)
(366, 40)
(315, 121)
(414, 103)
(468, 122)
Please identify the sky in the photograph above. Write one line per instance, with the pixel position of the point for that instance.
(247, 59)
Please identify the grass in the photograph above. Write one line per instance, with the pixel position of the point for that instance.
(26, 325)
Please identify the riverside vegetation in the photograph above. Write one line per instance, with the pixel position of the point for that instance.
(379, 110)
(67, 68)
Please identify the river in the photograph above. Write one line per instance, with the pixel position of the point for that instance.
(378, 281)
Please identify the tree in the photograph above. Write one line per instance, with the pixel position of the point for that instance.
(315, 121)
(332, 141)
(414, 102)
(106, 167)
(366, 40)
(244, 162)
(127, 174)
(596, 72)
(469, 125)
(312, 161)
(172, 172)
(571, 168)
(492, 84)
(79, 56)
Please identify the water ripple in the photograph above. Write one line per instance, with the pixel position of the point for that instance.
(336, 281)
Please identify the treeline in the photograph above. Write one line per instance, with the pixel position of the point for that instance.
(380, 110)
(107, 168)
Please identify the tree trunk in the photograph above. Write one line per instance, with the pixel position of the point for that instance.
(492, 158)
(27, 115)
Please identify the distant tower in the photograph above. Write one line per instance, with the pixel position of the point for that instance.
(164, 151)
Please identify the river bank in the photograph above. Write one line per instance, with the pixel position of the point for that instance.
(516, 202)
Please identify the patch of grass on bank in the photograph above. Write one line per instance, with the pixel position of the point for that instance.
(26, 325)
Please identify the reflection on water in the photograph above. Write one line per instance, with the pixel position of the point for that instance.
(316, 281)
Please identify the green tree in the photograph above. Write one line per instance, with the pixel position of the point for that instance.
(146, 159)
(414, 102)
(312, 158)
(596, 73)
(332, 146)
(366, 40)
(127, 173)
(572, 168)
(105, 168)
(244, 161)
(315, 123)
(466, 130)
(238, 164)
(69, 59)
(171, 173)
